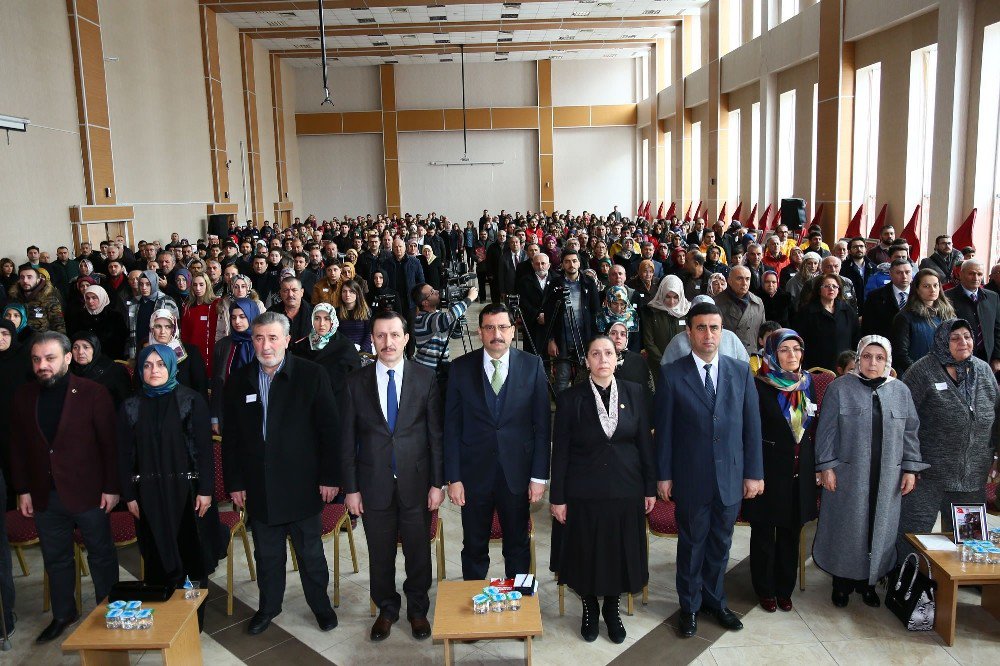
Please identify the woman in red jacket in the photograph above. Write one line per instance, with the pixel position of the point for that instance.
(196, 329)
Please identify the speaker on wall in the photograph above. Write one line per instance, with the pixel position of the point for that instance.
(218, 225)
(793, 213)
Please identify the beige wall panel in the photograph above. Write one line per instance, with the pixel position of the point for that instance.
(363, 121)
(571, 116)
(265, 120)
(235, 122)
(421, 120)
(87, 9)
(389, 139)
(93, 69)
(545, 132)
(613, 114)
(319, 123)
(515, 118)
(293, 171)
(474, 119)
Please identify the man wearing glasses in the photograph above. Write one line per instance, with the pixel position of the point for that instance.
(496, 443)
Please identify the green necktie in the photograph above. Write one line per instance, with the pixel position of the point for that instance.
(496, 381)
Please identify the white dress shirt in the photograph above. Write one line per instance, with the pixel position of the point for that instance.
(504, 370)
(382, 380)
(713, 371)
(896, 291)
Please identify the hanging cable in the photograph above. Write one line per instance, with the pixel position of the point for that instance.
(465, 135)
(322, 46)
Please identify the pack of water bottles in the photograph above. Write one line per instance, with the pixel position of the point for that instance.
(128, 615)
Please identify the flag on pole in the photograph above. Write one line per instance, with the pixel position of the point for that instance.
(963, 235)
(671, 211)
(753, 216)
(722, 213)
(911, 234)
(854, 228)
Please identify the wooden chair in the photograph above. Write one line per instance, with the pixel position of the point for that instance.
(822, 378)
(334, 520)
(22, 533)
(437, 540)
(235, 520)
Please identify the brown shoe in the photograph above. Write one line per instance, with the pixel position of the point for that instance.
(420, 627)
(382, 627)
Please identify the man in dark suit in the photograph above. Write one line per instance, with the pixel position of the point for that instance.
(534, 289)
(279, 457)
(393, 470)
(295, 307)
(496, 441)
(494, 253)
(884, 303)
(857, 268)
(981, 308)
(709, 455)
(64, 471)
(512, 257)
(402, 272)
(568, 336)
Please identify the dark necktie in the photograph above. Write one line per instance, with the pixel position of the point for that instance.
(391, 411)
(710, 386)
(978, 329)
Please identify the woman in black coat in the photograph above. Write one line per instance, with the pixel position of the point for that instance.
(165, 330)
(15, 369)
(101, 318)
(827, 325)
(91, 363)
(603, 485)
(329, 347)
(231, 353)
(431, 264)
(787, 409)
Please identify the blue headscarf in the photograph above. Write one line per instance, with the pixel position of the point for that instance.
(169, 359)
(243, 341)
(20, 309)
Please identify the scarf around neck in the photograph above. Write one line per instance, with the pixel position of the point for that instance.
(794, 388)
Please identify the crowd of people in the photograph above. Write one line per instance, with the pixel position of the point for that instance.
(681, 360)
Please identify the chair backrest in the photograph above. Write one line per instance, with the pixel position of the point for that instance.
(821, 381)
(219, 495)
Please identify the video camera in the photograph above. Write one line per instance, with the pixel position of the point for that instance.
(386, 303)
(456, 282)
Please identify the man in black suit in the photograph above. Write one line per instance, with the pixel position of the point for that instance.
(512, 257)
(393, 470)
(496, 441)
(944, 259)
(494, 253)
(569, 331)
(534, 289)
(279, 458)
(294, 307)
(981, 308)
(883, 304)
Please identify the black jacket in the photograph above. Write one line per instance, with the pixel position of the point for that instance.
(586, 318)
(586, 464)
(282, 475)
(880, 308)
(533, 303)
(301, 324)
(826, 334)
(986, 313)
(339, 358)
(858, 276)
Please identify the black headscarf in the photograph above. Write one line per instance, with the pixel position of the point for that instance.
(15, 344)
(941, 350)
(90, 338)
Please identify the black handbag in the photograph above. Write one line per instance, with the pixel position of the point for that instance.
(911, 597)
(136, 590)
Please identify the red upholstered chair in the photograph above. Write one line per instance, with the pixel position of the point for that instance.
(437, 540)
(822, 378)
(22, 533)
(991, 499)
(232, 518)
(496, 535)
(333, 521)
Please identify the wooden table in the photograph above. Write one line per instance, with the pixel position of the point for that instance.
(175, 634)
(950, 572)
(455, 621)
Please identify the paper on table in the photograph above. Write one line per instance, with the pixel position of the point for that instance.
(936, 542)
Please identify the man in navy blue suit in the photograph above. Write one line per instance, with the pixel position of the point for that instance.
(497, 440)
(709, 455)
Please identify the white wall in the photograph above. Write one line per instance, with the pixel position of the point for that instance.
(487, 84)
(231, 70)
(341, 174)
(289, 80)
(595, 169)
(351, 89)
(462, 192)
(41, 171)
(591, 82)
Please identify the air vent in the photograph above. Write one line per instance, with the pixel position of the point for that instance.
(512, 5)
(435, 6)
(312, 39)
(508, 16)
(506, 32)
(442, 41)
(630, 36)
(651, 12)
(499, 59)
(609, 55)
(380, 43)
(505, 39)
(360, 9)
(581, 14)
(438, 18)
(398, 10)
(276, 24)
(447, 60)
(303, 46)
(409, 36)
(287, 14)
(392, 62)
(566, 38)
(605, 4)
(366, 20)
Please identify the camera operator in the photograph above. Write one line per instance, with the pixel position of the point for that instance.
(572, 313)
(431, 327)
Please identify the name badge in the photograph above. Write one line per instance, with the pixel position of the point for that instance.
(39, 313)
(204, 317)
(682, 322)
(251, 398)
(941, 386)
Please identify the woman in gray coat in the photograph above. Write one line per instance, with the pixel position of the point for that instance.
(867, 454)
(957, 397)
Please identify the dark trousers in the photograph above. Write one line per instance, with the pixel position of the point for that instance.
(564, 371)
(55, 531)
(774, 560)
(6, 566)
(477, 523)
(270, 553)
(704, 536)
(848, 585)
(384, 528)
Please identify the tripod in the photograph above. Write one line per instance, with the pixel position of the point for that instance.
(515, 311)
(574, 339)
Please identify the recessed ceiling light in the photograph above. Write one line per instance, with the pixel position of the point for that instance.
(381, 43)
(505, 39)
(650, 12)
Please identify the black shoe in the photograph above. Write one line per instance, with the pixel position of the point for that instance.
(420, 627)
(589, 627)
(56, 628)
(259, 623)
(688, 624)
(612, 618)
(382, 627)
(840, 599)
(870, 597)
(726, 618)
(327, 620)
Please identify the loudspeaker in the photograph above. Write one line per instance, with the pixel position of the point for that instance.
(218, 225)
(793, 213)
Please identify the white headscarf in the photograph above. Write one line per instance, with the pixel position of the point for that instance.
(881, 342)
(102, 298)
(671, 283)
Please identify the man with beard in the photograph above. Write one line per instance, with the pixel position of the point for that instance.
(263, 283)
(39, 298)
(64, 470)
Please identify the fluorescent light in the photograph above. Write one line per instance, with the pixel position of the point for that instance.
(14, 123)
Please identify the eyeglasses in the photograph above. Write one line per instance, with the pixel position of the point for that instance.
(831, 286)
(490, 328)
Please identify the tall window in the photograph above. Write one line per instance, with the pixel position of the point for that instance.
(758, 19)
(644, 170)
(696, 28)
(735, 25)
(668, 182)
(812, 188)
(786, 145)
(920, 135)
(987, 190)
(754, 154)
(696, 163)
(864, 169)
(733, 157)
(788, 9)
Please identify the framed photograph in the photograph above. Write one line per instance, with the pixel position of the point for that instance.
(970, 522)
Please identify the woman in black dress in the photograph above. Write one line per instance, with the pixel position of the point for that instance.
(787, 410)
(167, 473)
(91, 363)
(603, 484)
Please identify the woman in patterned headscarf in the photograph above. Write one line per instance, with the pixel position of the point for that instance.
(787, 410)
(327, 346)
(164, 330)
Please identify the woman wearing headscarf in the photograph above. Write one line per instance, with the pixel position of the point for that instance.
(787, 410)
(550, 246)
(868, 456)
(231, 353)
(180, 286)
(603, 272)
(163, 330)
(329, 347)
(15, 369)
(631, 366)
(105, 322)
(239, 287)
(956, 396)
(618, 308)
(91, 363)
(662, 319)
(141, 311)
(196, 319)
(914, 326)
(431, 265)
(17, 315)
(644, 283)
(603, 484)
(75, 306)
(167, 471)
(349, 272)
(379, 289)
